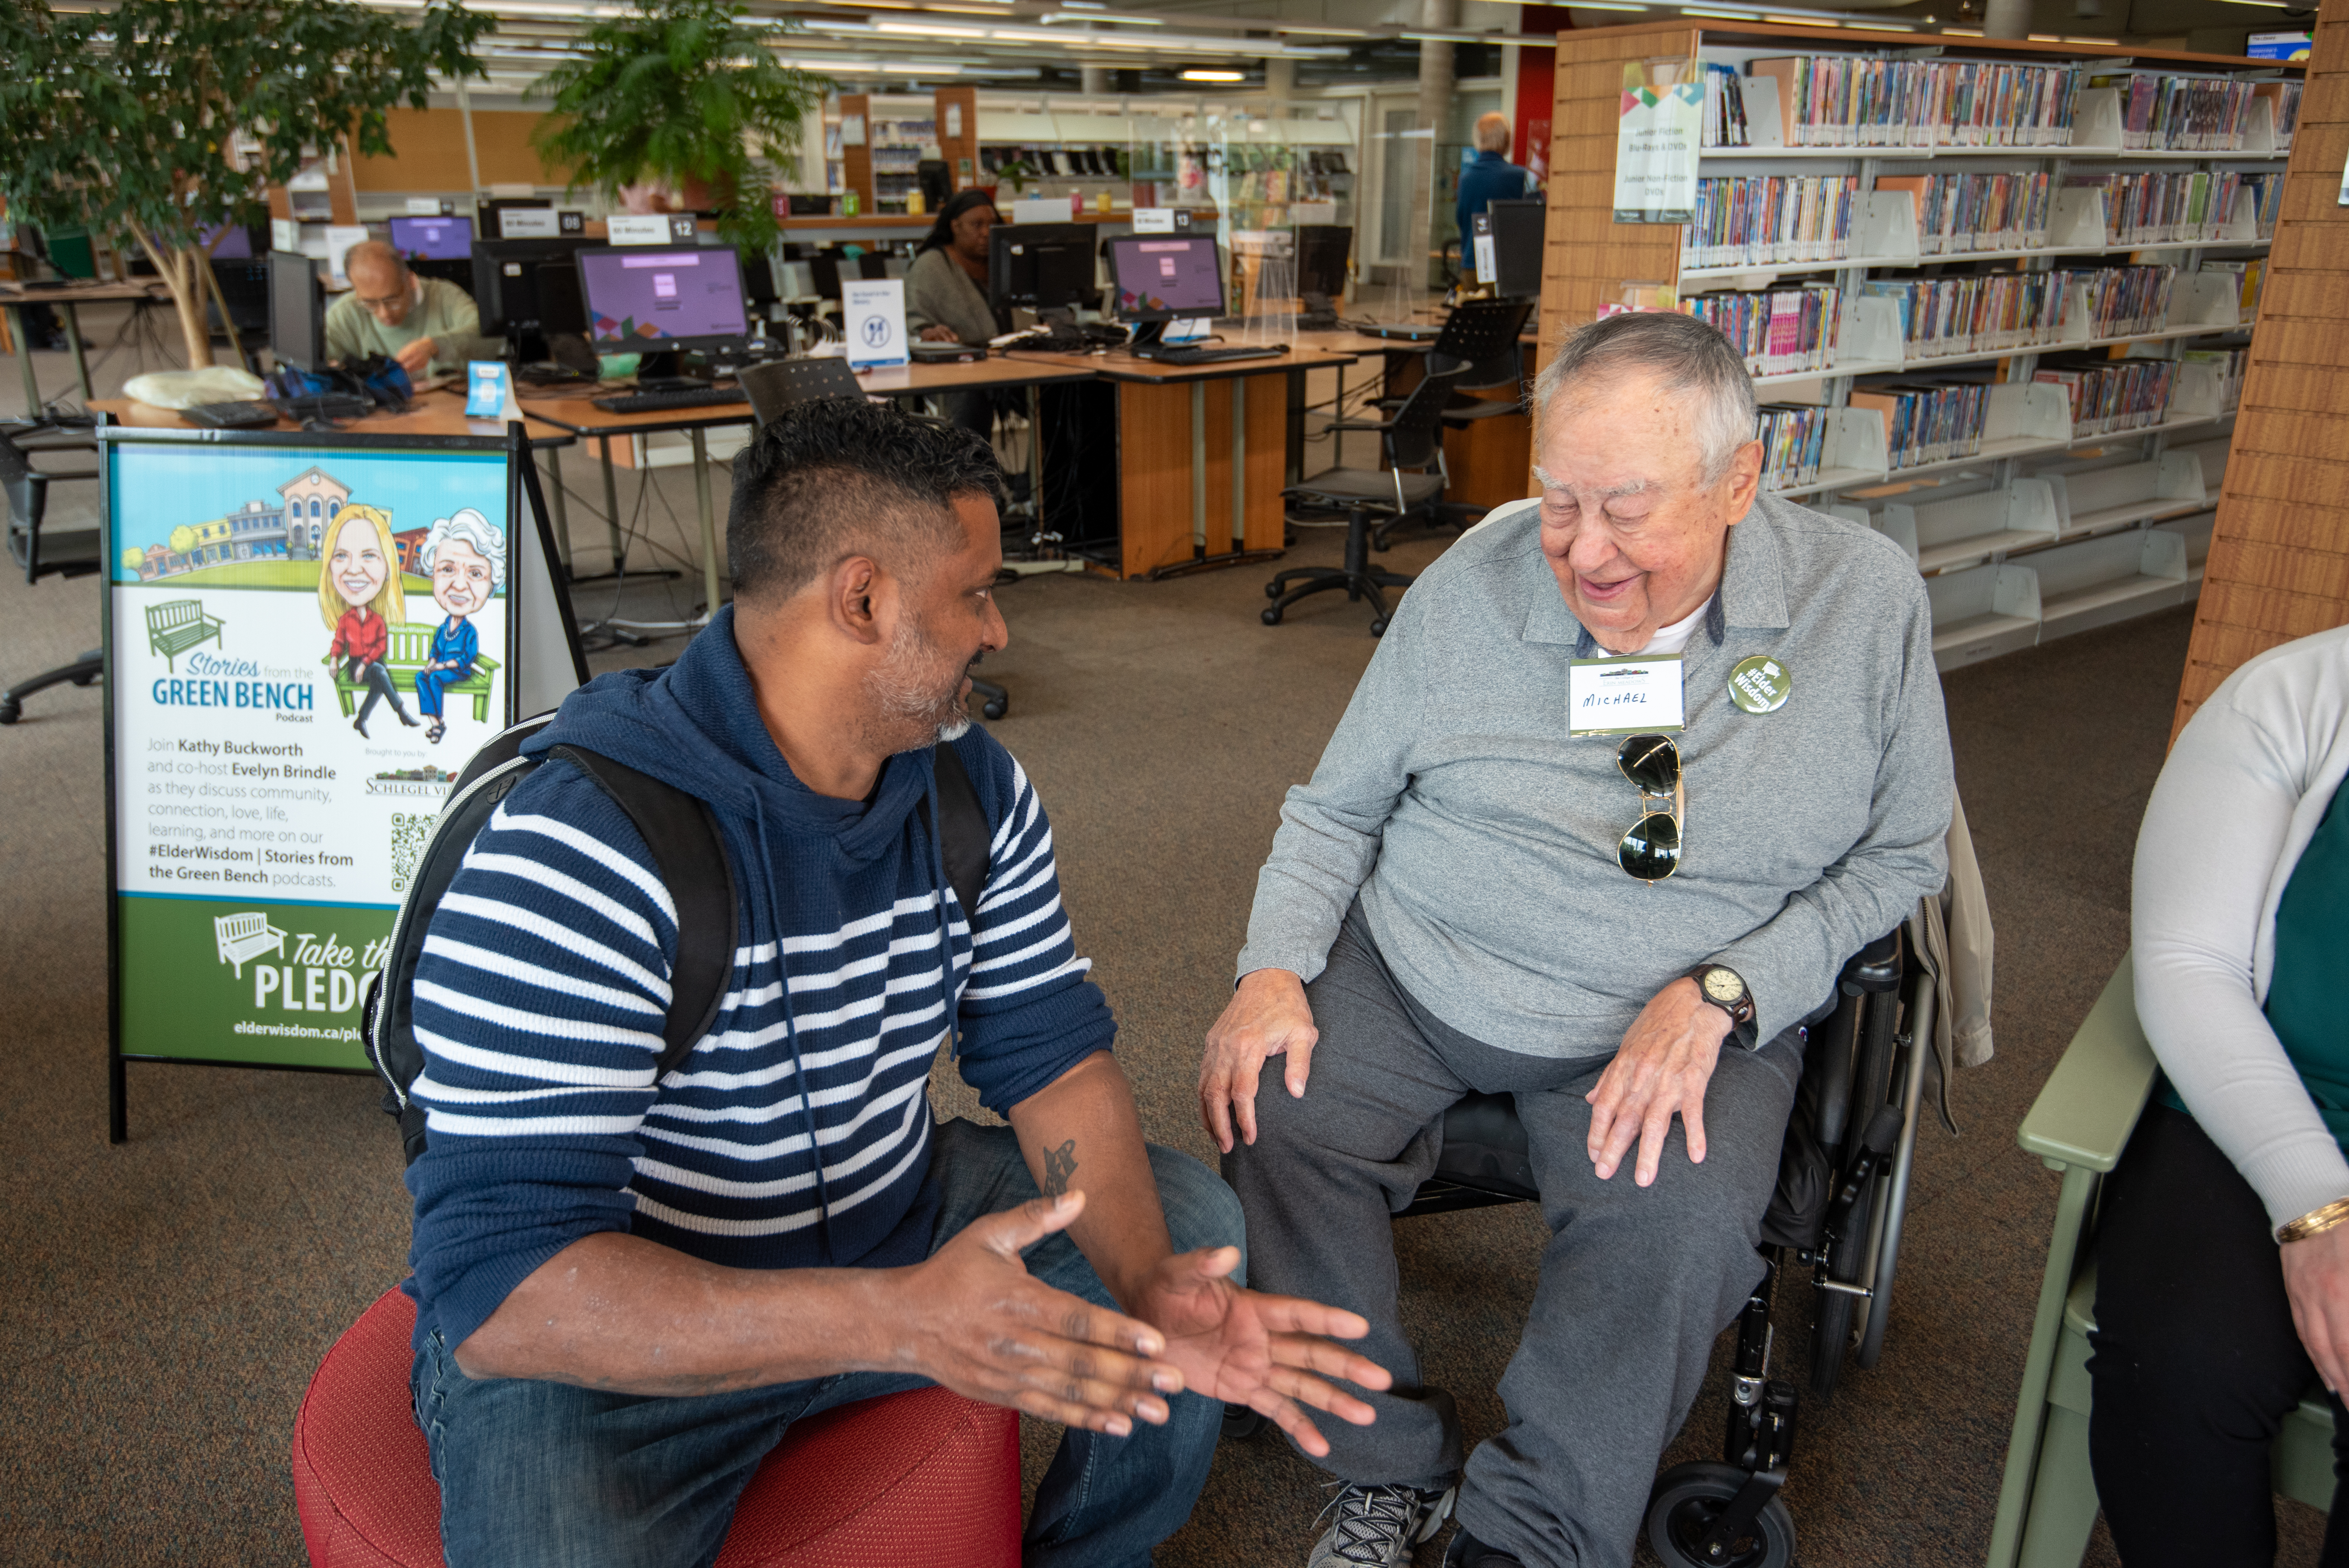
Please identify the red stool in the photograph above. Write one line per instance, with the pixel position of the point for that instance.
(925, 1479)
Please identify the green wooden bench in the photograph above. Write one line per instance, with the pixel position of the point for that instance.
(178, 624)
(2078, 1127)
(408, 649)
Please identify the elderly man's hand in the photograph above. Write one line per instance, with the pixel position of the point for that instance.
(414, 357)
(1665, 1061)
(1266, 1016)
(936, 334)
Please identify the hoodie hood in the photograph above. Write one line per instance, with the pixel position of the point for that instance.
(696, 725)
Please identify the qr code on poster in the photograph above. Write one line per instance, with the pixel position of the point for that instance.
(410, 831)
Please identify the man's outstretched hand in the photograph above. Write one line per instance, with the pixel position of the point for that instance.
(1270, 1352)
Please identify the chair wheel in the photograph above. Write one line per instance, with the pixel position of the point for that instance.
(10, 710)
(1239, 1421)
(91, 679)
(995, 709)
(1379, 627)
(1272, 616)
(1689, 1498)
(1272, 590)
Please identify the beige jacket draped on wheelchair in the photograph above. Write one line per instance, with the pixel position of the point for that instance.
(1952, 932)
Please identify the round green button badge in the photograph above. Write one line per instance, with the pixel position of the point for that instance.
(1761, 684)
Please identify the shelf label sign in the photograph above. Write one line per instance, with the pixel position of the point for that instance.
(636, 228)
(1656, 138)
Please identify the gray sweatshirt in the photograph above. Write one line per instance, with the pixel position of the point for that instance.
(1482, 840)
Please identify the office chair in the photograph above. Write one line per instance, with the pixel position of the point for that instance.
(40, 552)
(776, 385)
(1479, 340)
(1838, 1205)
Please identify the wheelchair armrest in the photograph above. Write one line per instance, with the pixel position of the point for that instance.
(2091, 1102)
(1874, 967)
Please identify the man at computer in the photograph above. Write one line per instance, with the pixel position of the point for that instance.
(428, 325)
(1489, 176)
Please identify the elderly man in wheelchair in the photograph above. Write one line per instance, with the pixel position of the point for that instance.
(1633, 774)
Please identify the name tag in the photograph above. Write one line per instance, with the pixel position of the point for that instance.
(1630, 696)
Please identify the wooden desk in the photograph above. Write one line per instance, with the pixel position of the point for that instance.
(1180, 496)
(14, 297)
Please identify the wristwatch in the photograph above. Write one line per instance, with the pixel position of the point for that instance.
(1725, 989)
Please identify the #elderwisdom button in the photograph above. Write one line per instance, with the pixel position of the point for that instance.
(1761, 684)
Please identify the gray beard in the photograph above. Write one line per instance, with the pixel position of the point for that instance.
(911, 709)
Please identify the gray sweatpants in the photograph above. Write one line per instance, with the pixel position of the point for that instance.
(1636, 1283)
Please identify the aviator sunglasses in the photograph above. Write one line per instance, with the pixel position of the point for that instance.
(1651, 850)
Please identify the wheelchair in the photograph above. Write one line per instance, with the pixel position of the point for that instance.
(1837, 1210)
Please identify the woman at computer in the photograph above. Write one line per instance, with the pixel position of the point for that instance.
(946, 294)
(2222, 1283)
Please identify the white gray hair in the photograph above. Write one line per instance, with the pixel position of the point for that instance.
(1687, 355)
(469, 528)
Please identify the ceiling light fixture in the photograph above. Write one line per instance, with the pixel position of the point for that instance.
(1215, 75)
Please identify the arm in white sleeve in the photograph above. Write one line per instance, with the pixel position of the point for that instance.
(2218, 822)
(1332, 826)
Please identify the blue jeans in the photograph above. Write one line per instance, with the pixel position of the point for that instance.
(545, 1473)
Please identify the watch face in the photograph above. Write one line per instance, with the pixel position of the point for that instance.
(1722, 985)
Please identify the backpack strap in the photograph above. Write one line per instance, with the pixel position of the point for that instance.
(965, 841)
(690, 853)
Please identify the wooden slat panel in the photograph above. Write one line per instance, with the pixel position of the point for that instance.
(2278, 566)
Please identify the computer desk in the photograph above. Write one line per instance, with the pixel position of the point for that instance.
(14, 297)
(580, 416)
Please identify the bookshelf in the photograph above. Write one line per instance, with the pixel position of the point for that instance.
(2083, 209)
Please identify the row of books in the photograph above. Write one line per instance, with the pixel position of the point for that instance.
(2123, 301)
(2184, 114)
(2163, 208)
(1841, 100)
(2110, 396)
(1758, 220)
(1959, 213)
(2267, 193)
(1794, 441)
(1976, 315)
(1928, 422)
(1781, 331)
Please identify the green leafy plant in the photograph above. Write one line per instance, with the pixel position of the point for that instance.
(1018, 170)
(159, 120)
(683, 91)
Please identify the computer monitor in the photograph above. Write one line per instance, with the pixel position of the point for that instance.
(1161, 278)
(527, 289)
(297, 312)
(1517, 228)
(433, 239)
(234, 243)
(1043, 266)
(648, 300)
(1321, 252)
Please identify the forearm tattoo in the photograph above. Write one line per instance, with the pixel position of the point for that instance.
(1059, 1166)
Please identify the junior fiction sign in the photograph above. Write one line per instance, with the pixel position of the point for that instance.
(307, 638)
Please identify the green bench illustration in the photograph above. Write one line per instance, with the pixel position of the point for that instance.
(246, 935)
(407, 650)
(178, 624)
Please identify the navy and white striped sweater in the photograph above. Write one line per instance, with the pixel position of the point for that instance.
(544, 980)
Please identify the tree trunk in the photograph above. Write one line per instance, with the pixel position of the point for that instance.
(187, 285)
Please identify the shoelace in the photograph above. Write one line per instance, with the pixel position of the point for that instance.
(1371, 1518)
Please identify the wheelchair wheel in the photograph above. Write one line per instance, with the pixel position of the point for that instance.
(1689, 1498)
(1830, 1338)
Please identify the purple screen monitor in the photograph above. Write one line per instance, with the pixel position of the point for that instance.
(433, 239)
(644, 299)
(1160, 279)
(235, 246)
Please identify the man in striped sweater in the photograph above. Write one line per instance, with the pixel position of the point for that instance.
(627, 1289)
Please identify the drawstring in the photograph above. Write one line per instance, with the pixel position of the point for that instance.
(791, 1038)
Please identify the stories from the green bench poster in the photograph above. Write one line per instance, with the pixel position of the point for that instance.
(307, 642)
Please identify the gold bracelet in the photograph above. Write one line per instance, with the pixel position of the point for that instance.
(2316, 1222)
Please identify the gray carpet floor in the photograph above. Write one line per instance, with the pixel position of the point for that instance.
(162, 1303)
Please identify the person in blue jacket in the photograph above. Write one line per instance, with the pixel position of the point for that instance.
(465, 556)
(629, 1287)
(1489, 176)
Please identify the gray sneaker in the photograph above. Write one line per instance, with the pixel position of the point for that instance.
(1378, 1526)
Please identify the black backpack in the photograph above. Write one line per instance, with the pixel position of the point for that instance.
(690, 852)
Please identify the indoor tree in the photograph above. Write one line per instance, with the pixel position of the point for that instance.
(161, 120)
(684, 92)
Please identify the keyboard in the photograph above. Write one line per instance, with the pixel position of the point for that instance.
(231, 416)
(662, 402)
(1183, 353)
